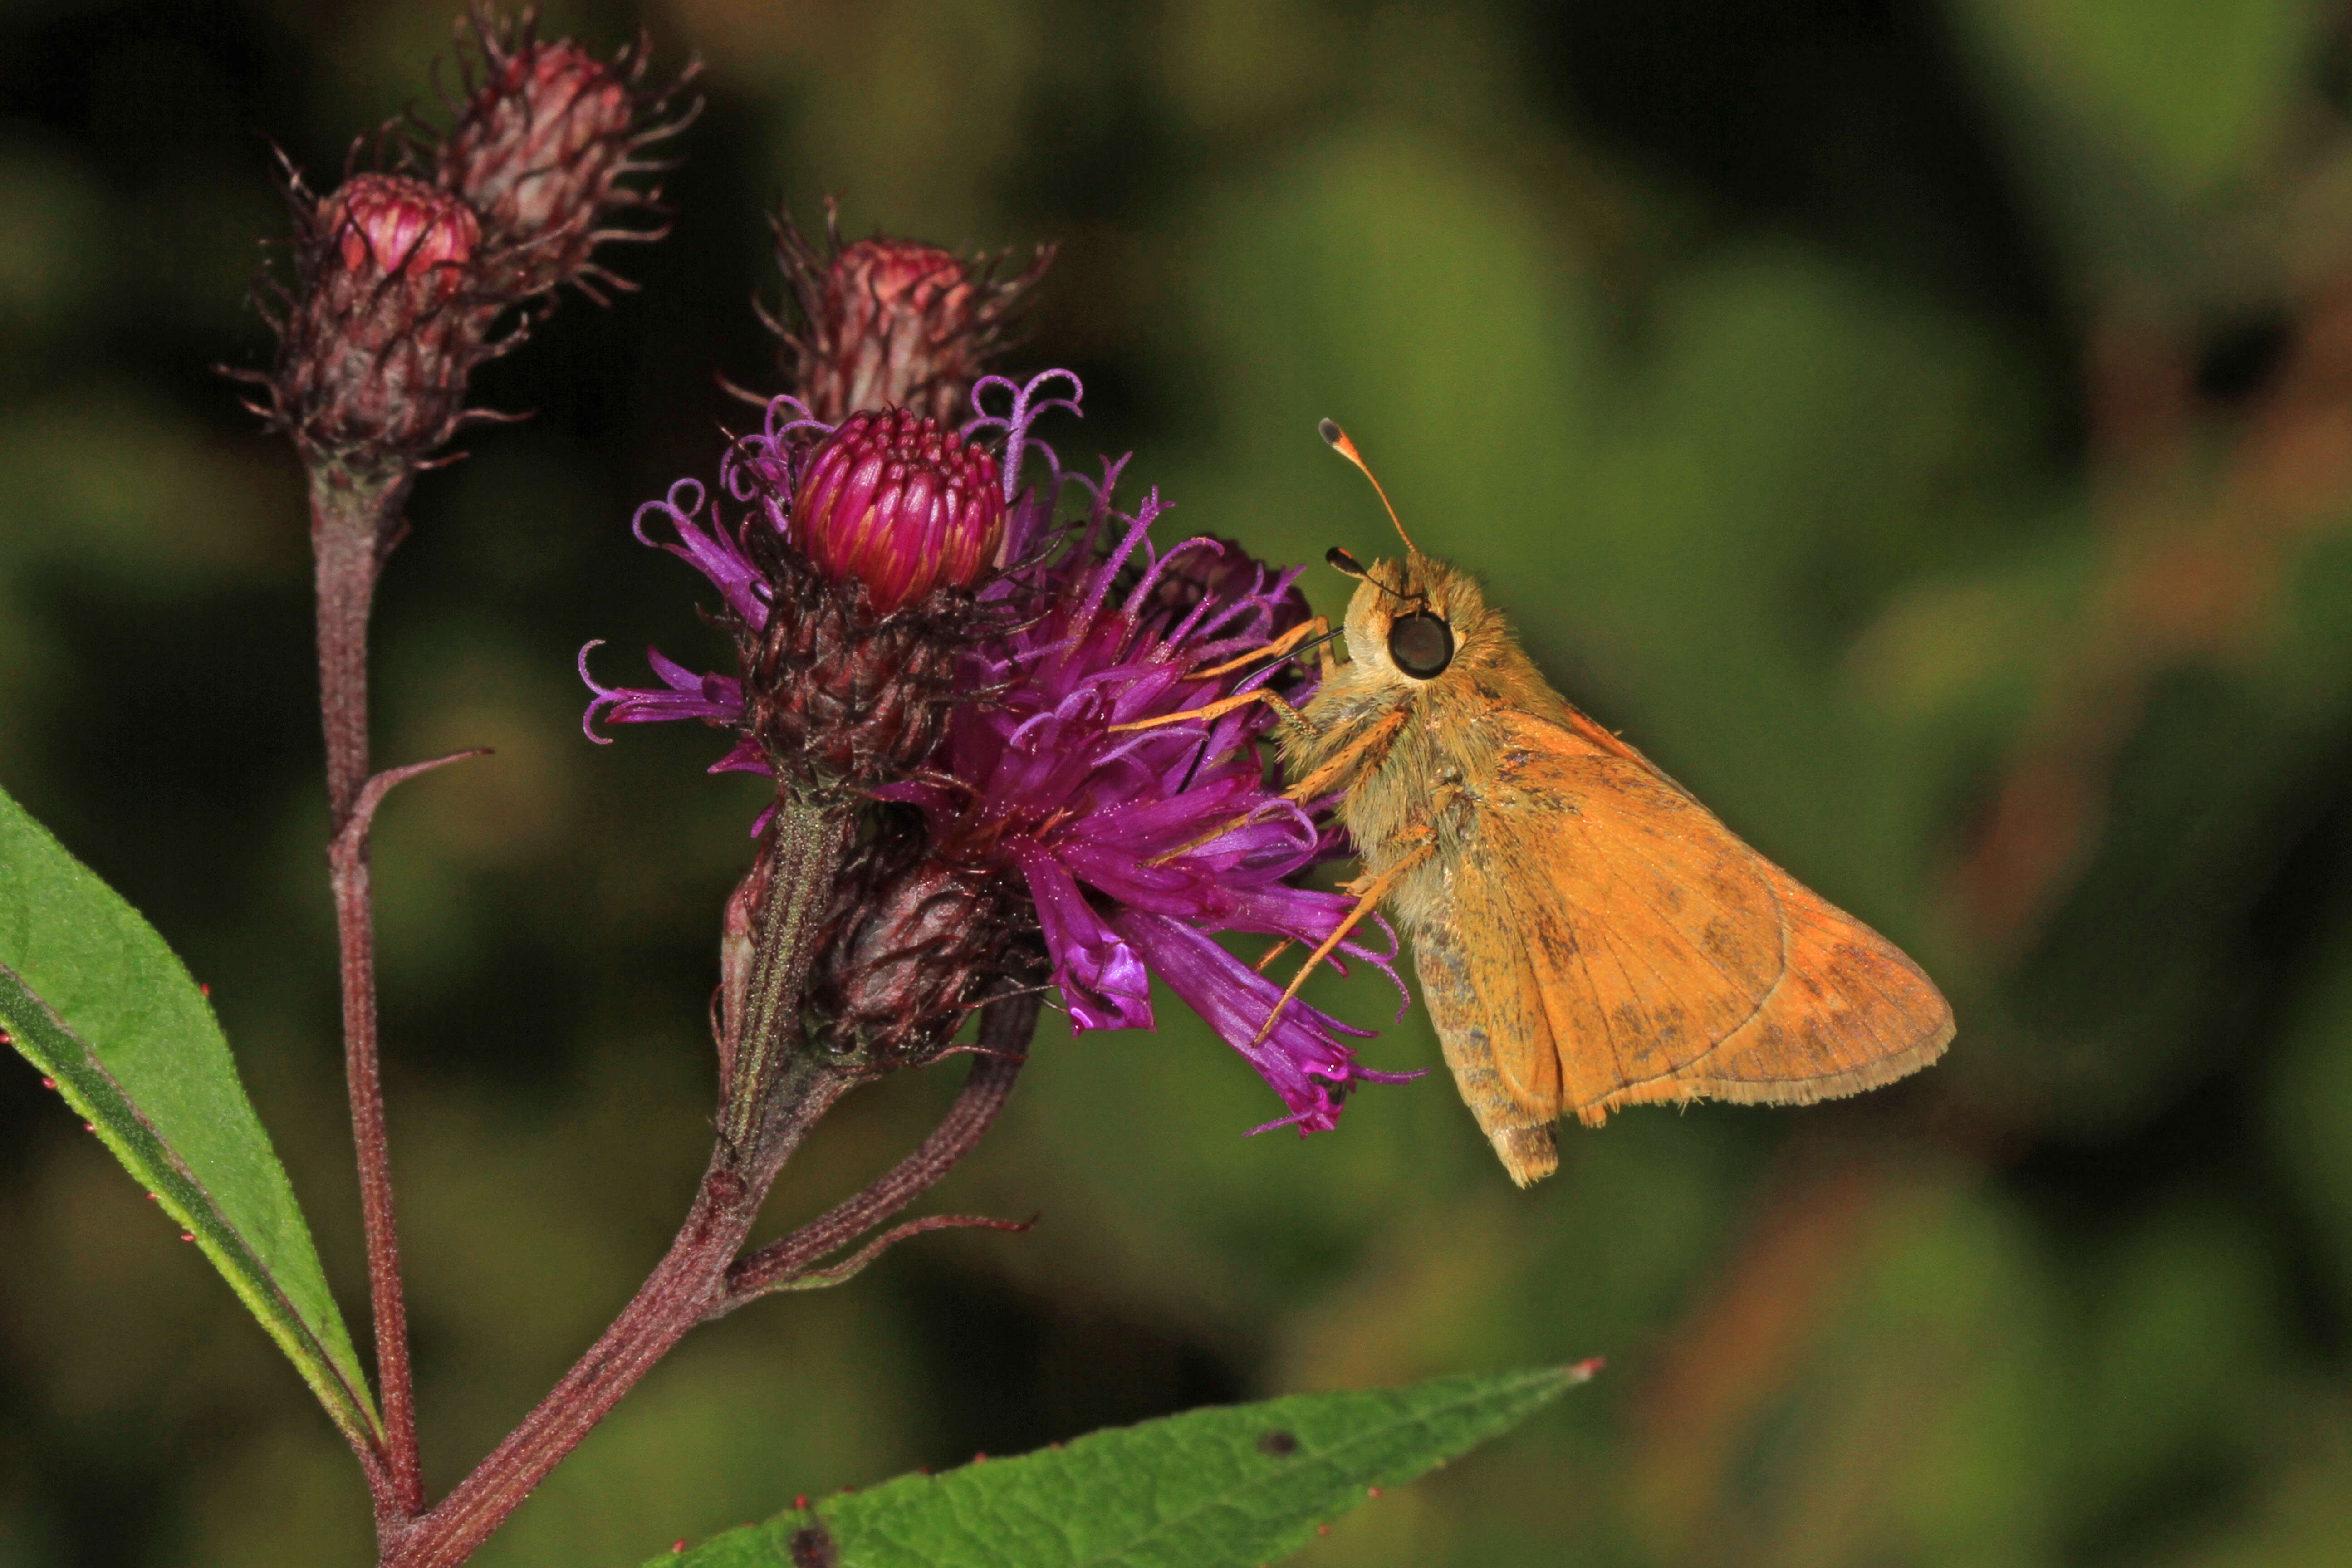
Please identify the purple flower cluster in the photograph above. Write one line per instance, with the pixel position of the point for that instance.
(1137, 847)
(1140, 847)
(757, 470)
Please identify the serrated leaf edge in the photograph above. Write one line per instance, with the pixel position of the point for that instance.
(1518, 1392)
(1524, 1392)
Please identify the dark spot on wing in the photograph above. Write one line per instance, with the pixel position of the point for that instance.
(1278, 1443)
(1647, 1033)
(813, 1548)
(1557, 940)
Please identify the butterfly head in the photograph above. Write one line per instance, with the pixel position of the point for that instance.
(1417, 617)
(1411, 616)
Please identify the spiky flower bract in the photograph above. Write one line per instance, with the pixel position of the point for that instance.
(541, 142)
(885, 322)
(385, 325)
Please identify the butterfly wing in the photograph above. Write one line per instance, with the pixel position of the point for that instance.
(1601, 940)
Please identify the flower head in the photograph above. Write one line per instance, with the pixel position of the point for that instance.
(384, 323)
(1045, 840)
(387, 225)
(1137, 847)
(539, 147)
(399, 283)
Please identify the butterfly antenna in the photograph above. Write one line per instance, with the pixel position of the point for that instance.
(1337, 439)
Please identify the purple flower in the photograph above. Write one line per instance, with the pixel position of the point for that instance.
(1137, 847)
(717, 700)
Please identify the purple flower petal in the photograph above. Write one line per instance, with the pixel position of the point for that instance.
(1301, 1058)
(716, 698)
(1139, 845)
(1103, 979)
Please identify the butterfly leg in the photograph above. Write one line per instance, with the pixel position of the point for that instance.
(1369, 891)
(1305, 632)
(1360, 753)
(1290, 717)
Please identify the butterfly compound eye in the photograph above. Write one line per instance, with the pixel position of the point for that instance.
(1421, 644)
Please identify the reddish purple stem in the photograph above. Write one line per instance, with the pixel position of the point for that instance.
(684, 1288)
(699, 1279)
(769, 1112)
(349, 520)
(1004, 1034)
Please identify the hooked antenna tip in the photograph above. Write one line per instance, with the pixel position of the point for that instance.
(1338, 440)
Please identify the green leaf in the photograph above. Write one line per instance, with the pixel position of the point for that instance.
(93, 997)
(1231, 1488)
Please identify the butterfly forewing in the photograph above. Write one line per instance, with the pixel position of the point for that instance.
(1639, 951)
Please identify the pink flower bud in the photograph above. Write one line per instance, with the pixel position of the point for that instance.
(384, 224)
(537, 150)
(400, 283)
(889, 323)
(387, 320)
(895, 501)
(898, 316)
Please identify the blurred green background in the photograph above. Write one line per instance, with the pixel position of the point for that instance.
(1925, 427)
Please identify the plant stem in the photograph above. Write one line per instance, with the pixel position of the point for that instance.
(1004, 1032)
(678, 1295)
(805, 846)
(351, 519)
(775, 1095)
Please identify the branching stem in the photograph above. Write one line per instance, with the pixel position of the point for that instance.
(699, 1279)
(776, 1089)
(351, 519)
(1004, 1032)
(777, 1092)
(683, 1291)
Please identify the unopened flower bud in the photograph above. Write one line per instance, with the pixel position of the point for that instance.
(901, 315)
(900, 504)
(892, 324)
(537, 150)
(909, 946)
(386, 321)
(386, 224)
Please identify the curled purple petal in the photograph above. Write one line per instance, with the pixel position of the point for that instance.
(1028, 403)
(716, 698)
